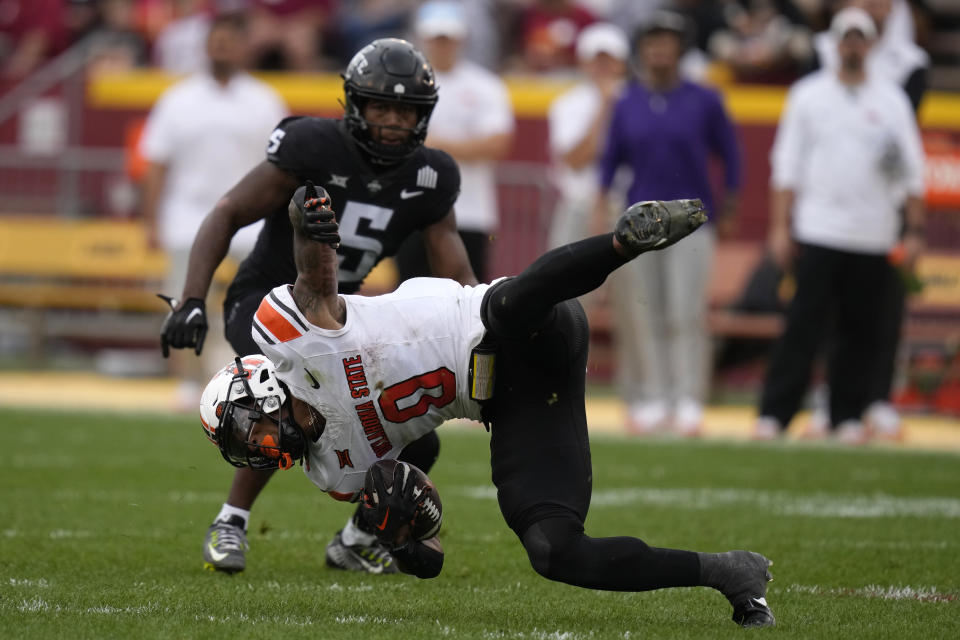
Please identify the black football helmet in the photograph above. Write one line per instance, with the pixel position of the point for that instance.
(393, 70)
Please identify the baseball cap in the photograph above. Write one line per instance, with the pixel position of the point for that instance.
(437, 18)
(602, 37)
(853, 19)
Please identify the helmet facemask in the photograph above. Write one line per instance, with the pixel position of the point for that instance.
(239, 415)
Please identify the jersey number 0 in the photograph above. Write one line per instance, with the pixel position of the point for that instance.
(439, 388)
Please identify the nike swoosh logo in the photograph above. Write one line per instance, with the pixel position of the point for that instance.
(760, 601)
(383, 524)
(313, 381)
(216, 555)
(404, 194)
(195, 312)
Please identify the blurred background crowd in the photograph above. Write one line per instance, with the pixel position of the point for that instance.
(756, 40)
(80, 78)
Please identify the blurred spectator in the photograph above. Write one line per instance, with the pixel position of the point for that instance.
(31, 32)
(115, 44)
(181, 46)
(629, 15)
(666, 129)
(764, 41)
(201, 137)
(482, 44)
(473, 122)
(286, 34)
(578, 122)
(909, 20)
(894, 56)
(847, 150)
(548, 34)
(359, 22)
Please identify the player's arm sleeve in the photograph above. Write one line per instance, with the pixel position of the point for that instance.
(786, 155)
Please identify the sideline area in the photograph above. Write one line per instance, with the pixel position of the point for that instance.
(82, 391)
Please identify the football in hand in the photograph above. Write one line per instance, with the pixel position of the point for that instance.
(429, 512)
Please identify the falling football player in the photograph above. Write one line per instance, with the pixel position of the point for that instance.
(350, 380)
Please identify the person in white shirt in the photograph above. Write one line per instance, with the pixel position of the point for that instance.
(350, 380)
(847, 152)
(577, 126)
(893, 56)
(896, 57)
(204, 132)
(473, 122)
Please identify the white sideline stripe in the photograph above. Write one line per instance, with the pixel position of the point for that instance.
(815, 505)
(39, 583)
(352, 619)
(537, 634)
(892, 545)
(922, 594)
(39, 605)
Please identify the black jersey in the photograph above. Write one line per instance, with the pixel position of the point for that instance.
(376, 210)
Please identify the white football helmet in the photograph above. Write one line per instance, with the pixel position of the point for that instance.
(237, 397)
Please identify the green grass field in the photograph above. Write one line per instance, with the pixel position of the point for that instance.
(102, 518)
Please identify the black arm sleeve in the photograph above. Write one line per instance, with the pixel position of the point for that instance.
(419, 559)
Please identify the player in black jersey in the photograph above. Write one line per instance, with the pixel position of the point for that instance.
(384, 184)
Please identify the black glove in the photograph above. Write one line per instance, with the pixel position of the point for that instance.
(184, 327)
(310, 212)
(393, 514)
(421, 559)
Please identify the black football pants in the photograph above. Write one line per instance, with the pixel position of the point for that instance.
(539, 447)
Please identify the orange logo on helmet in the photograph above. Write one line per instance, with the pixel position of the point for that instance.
(219, 411)
(251, 362)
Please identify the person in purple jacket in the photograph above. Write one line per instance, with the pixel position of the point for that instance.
(665, 130)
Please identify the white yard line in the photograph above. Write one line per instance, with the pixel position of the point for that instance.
(921, 594)
(814, 505)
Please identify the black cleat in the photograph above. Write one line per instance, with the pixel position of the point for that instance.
(742, 576)
(652, 225)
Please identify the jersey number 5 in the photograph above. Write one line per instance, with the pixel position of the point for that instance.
(439, 388)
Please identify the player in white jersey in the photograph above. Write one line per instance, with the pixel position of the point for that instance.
(379, 385)
(369, 375)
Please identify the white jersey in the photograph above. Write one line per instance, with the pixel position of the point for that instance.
(396, 370)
